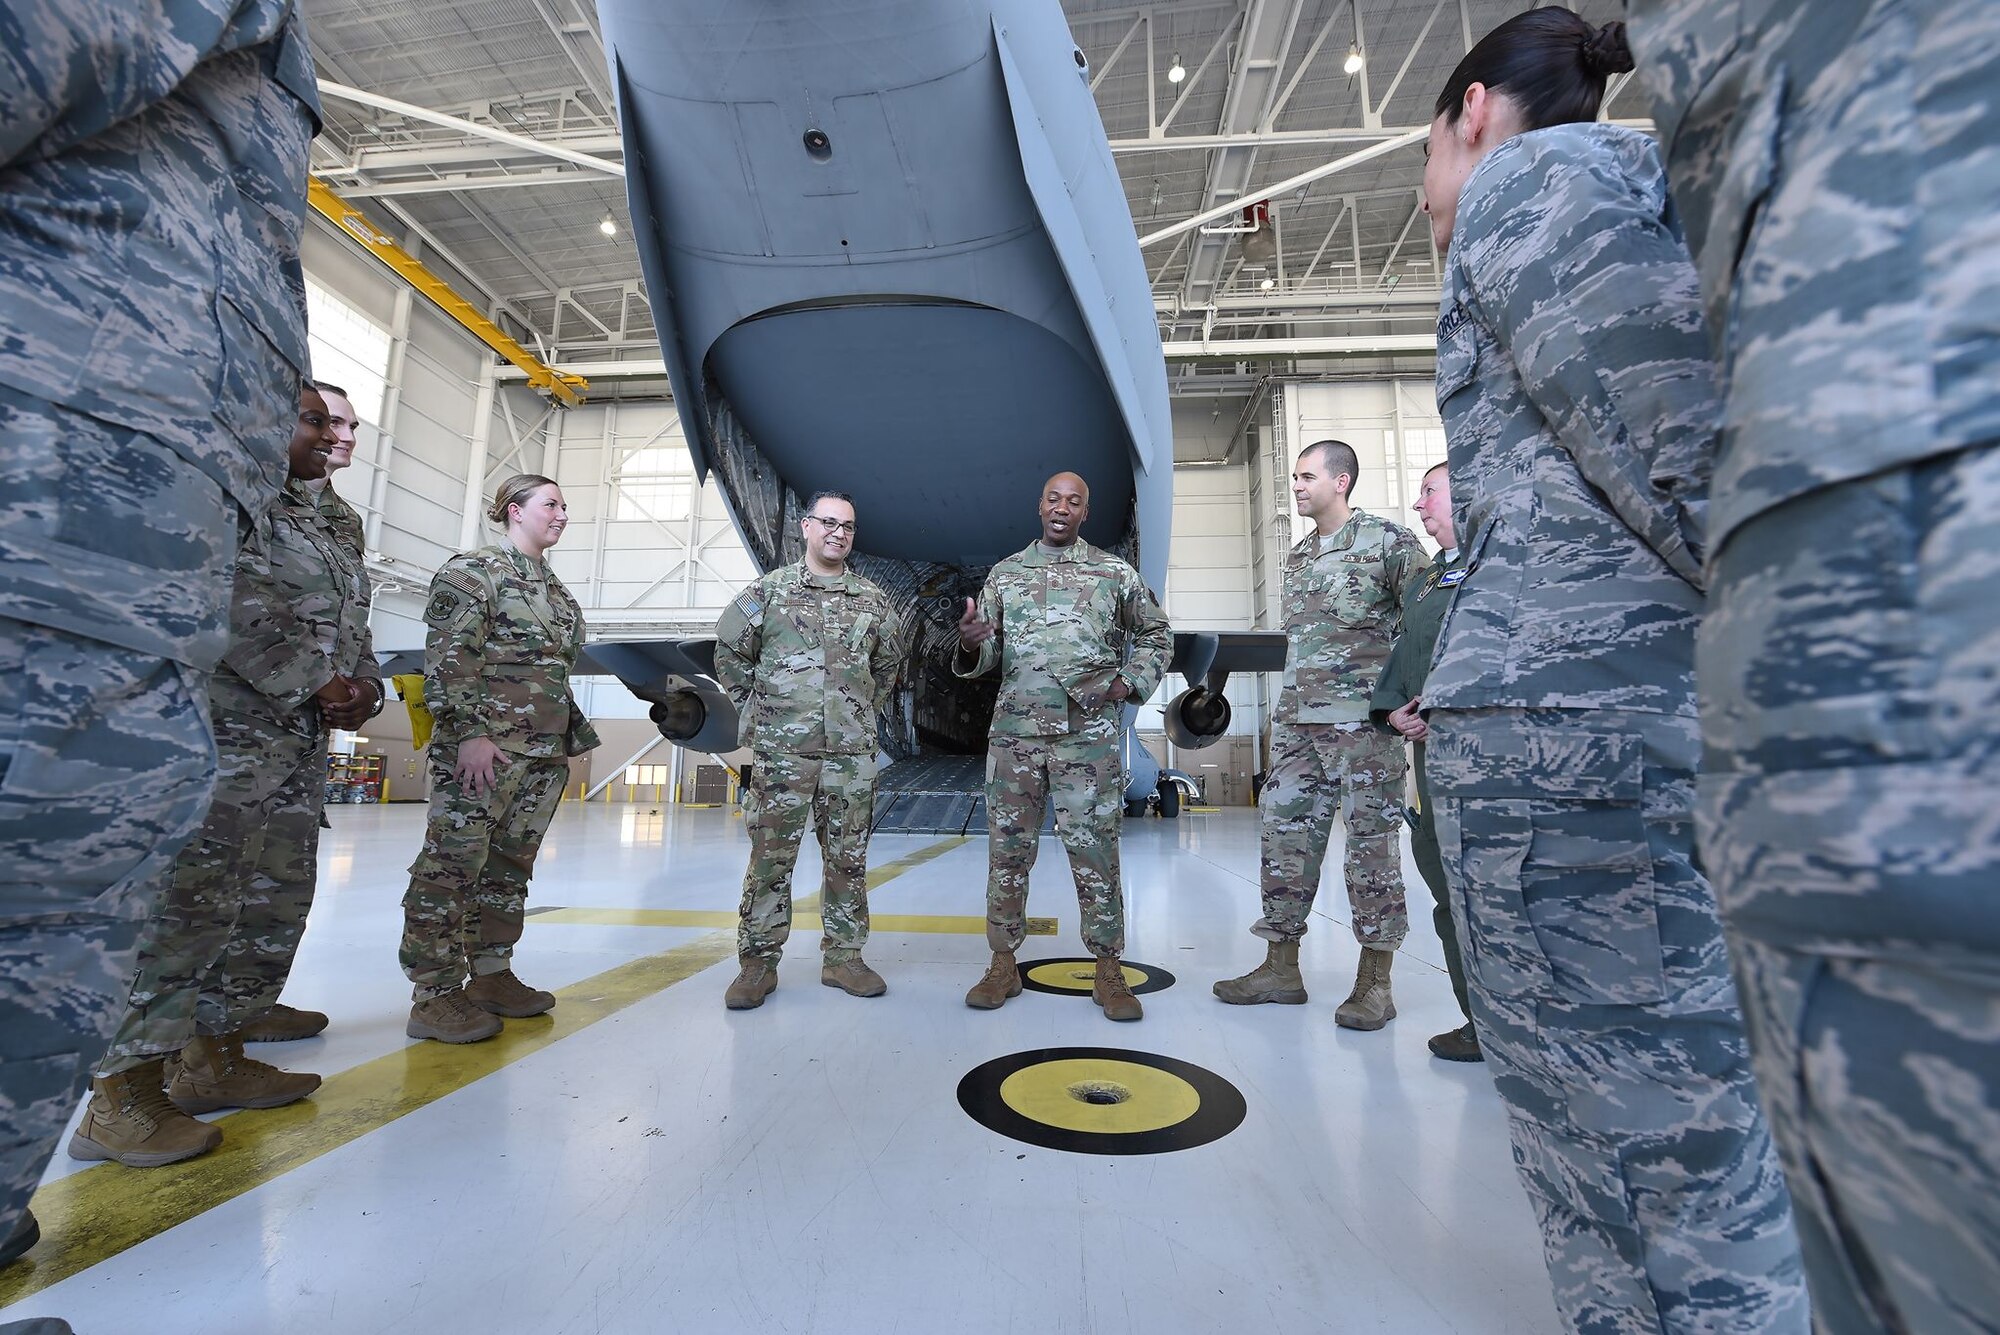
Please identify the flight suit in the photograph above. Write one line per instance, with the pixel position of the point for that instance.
(809, 661)
(1838, 167)
(1069, 621)
(1403, 681)
(1580, 413)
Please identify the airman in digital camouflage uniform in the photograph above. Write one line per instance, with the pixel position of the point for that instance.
(259, 957)
(1075, 634)
(1579, 413)
(1398, 706)
(152, 337)
(299, 661)
(1345, 585)
(1838, 168)
(504, 638)
(809, 654)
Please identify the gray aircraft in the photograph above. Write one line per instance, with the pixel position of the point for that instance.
(889, 254)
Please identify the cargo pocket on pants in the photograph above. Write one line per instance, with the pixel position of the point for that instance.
(1587, 882)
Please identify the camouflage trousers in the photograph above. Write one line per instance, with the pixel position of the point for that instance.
(105, 765)
(114, 601)
(1430, 865)
(468, 895)
(1318, 770)
(1851, 819)
(1082, 775)
(1601, 990)
(258, 844)
(838, 794)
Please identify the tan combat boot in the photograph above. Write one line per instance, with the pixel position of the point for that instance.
(504, 994)
(211, 1074)
(282, 1024)
(1112, 993)
(853, 977)
(1001, 980)
(129, 1121)
(1369, 1005)
(1275, 980)
(451, 1019)
(757, 979)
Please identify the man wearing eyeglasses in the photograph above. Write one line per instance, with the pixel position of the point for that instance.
(809, 654)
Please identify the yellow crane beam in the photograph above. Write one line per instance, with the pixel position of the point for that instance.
(565, 388)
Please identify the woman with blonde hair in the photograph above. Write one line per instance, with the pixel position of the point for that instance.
(504, 638)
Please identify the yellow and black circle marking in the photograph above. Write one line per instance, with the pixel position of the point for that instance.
(1101, 1101)
(1074, 977)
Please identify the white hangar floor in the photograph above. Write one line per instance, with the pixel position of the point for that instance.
(645, 1161)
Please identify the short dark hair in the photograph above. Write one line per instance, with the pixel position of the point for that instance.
(1337, 457)
(1442, 463)
(818, 496)
(328, 387)
(1549, 62)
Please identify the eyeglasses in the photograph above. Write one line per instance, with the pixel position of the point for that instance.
(834, 525)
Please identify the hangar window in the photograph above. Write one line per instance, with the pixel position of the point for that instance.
(656, 483)
(347, 349)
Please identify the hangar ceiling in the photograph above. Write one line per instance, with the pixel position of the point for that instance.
(1267, 94)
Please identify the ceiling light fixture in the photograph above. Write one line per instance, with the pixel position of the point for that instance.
(1268, 284)
(1176, 71)
(608, 226)
(1354, 61)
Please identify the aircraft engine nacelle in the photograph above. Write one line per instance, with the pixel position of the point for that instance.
(696, 719)
(1197, 717)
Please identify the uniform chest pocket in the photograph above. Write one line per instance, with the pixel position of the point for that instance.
(1457, 354)
(1069, 600)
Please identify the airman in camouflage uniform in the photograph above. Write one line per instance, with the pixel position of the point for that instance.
(504, 638)
(272, 920)
(1838, 167)
(299, 659)
(152, 334)
(1076, 634)
(1579, 412)
(809, 654)
(1345, 585)
(1397, 705)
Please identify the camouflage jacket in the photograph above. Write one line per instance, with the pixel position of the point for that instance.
(167, 298)
(1580, 415)
(344, 519)
(809, 661)
(504, 637)
(298, 613)
(1834, 186)
(1423, 616)
(1069, 622)
(1343, 605)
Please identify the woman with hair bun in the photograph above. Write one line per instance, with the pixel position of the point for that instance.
(504, 638)
(1580, 416)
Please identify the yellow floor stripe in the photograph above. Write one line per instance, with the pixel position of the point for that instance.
(952, 924)
(94, 1215)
